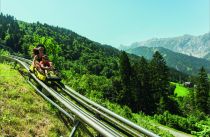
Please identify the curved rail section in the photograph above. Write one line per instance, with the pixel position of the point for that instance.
(106, 122)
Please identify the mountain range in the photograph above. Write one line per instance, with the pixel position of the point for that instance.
(197, 46)
(185, 53)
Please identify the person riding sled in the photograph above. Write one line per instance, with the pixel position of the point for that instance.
(42, 67)
(38, 52)
(45, 65)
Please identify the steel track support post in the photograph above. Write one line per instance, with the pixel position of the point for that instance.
(77, 123)
(29, 77)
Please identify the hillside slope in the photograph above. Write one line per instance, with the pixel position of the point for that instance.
(66, 49)
(182, 62)
(22, 111)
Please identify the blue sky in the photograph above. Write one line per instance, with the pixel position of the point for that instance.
(116, 22)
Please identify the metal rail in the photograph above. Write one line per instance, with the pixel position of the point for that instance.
(63, 111)
(106, 111)
(127, 130)
(80, 113)
(117, 122)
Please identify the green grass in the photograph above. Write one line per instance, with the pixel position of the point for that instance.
(209, 76)
(22, 111)
(180, 90)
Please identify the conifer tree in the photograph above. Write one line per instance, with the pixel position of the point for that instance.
(159, 81)
(125, 74)
(142, 86)
(202, 92)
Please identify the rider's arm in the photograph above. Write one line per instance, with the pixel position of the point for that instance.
(43, 67)
(35, 59)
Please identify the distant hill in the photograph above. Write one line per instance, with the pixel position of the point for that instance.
(198, 46)
(181, 62)
(65, 48)
(70, 50)
(207, 56)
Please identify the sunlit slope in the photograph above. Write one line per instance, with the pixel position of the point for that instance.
(180, 90)
(22, 111)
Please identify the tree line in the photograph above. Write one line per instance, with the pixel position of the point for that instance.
(145, 86)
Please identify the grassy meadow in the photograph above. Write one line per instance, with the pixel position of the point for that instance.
(23, 112)
(180, 90)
